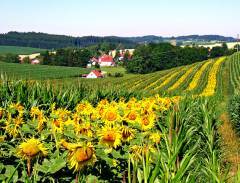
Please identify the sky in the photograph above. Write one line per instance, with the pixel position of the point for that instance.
(121, 17)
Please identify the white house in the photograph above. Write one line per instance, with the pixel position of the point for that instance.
(31, 56)
(94, 74)
(106, 60)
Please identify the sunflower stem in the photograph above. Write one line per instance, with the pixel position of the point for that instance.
(29, 166)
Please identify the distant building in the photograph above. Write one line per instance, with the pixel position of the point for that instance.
(114, 52)
(31, 56)
(93, 61)
(94, 74)
(173, 42)
(106, 61)
(35, 61)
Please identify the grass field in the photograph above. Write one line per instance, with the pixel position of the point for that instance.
(19, 50)
(39, 72)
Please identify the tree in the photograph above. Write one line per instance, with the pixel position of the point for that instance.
(12, 58)
(155, 57)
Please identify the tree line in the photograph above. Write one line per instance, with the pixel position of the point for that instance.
(67, 57)
(50, 41)
(156, 57)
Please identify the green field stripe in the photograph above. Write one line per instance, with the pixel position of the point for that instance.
(180, 90)
(168, 79)
(184, 78)
(202, 82)
(142, 80)
(148, 81)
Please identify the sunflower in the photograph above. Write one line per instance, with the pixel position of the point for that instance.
(13, 125)
(111, 115)
(38, 115)
(31, 148)
(137, 151)
(57, 125)
(84, 108)
(132, 116)
(84, 129)
(155, 137)
(61, 114)
(81, 156)
(110, 136)
(147, 121)
(77, 119)
(18, 107)
(35, 111)
(127, 133)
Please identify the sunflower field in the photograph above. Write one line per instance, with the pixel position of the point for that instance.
(159, 127)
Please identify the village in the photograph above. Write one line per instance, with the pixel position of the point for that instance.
(105, 60)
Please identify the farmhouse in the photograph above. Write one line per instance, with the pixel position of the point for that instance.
(106, 60)
(94, 74)
(31, 56)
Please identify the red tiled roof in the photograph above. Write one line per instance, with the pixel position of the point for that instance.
(94, 59)
(97, 73)
(105, 58)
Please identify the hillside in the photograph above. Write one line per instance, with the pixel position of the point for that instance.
(51, 41)
(194, 38)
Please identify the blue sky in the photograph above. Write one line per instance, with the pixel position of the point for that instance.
(121, 17)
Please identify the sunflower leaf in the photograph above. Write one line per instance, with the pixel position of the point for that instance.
(52, 166)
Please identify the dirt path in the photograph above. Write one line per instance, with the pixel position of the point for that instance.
(230, 142)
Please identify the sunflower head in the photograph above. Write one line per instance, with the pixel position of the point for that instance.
(81, 156)
(110, 136)
(84, 129)
(31, 148)
(132, 116)
(127, 133)
(137, 151)
(110, 115)
(147, 122)
(13, 125)
(84, 108)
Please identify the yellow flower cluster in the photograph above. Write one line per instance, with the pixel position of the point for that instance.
(167, 79)
(14, 120)
(209, 90)
(181, 79)
(109, 125)
(198, 76)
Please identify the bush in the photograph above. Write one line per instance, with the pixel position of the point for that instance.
(118, 74)
(10, 58)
